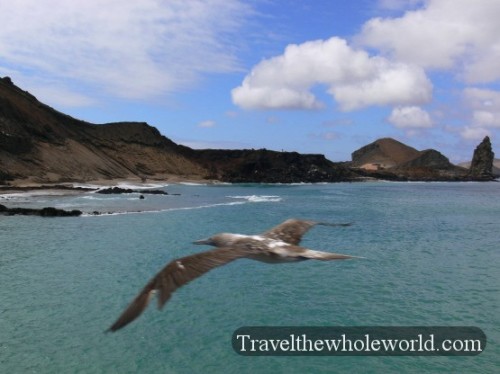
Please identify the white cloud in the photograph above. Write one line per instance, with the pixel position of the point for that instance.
(480, 98)
(484, 118)
(474, 133)
(484, 105)
(392, 84)
(129, 49)
(412, 117)
(207, 123)
(444, 34)
(355, 79)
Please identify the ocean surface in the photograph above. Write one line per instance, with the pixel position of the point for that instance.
(432, 259)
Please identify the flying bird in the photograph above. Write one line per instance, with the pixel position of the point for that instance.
(278, 245)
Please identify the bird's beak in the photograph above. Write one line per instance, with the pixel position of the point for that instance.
(207, 241)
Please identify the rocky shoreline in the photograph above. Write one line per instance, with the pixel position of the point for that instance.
(68, 189)
(43, 212)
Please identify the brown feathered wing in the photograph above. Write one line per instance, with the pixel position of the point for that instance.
(292, 230)
(176, 274)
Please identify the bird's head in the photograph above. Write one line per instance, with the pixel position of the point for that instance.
(219, 240)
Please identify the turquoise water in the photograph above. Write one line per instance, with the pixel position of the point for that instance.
(432, 256)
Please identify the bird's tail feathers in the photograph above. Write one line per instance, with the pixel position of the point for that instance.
(326, 256)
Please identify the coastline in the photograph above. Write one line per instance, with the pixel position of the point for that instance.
(83, 186)
(27, 186)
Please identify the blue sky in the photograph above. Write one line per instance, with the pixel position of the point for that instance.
(309, 76)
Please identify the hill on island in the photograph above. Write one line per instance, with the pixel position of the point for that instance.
(41, 144)
(38, 144)
(383, 153)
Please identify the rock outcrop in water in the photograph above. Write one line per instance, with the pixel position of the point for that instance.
(119, 190)
(43, 212)
(481, 167)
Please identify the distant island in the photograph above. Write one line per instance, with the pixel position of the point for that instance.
(392, 160)
(40, 145)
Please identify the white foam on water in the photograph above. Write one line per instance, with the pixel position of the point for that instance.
(34, 193)
(162, 210)
(258, 198)
(101, 197)
(193, 184)
(141, 186)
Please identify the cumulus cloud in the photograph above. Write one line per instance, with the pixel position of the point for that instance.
(129, 49)
(444, 34)
(412, 117)
(353, 77)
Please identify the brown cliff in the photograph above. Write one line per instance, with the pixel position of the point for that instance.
(39, 144)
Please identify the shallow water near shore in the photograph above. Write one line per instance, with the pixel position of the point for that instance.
(432, 256)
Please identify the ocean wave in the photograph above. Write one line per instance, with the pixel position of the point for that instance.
(257, 198)
(245, 199)
(162, 210)
(141, 186)
(129, 196)
(101, 197)
(193, 184)
(211, 183)
(33, 193)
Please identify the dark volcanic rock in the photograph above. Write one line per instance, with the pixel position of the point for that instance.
(430, 165)
(481, 167)
(115, 190)
(429, 158)
(265, 166)
(44, 212)
(119, 190)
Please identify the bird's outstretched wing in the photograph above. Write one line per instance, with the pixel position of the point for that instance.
(292, 230)
(176, 274)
